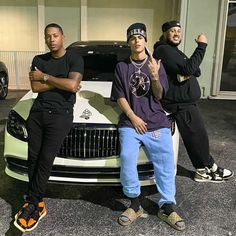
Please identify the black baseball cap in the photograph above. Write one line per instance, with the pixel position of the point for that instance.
(169, 24)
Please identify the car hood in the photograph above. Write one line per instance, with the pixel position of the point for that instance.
(92, 105)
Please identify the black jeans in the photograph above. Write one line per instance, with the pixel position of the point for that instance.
(194, 135)
(46, 133)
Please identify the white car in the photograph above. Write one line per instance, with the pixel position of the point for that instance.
(90, 153)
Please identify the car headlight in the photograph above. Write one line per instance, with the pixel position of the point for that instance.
(16, 126)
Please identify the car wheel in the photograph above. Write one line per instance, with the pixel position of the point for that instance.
(3, 86)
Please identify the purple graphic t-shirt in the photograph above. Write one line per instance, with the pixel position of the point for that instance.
(135, 85)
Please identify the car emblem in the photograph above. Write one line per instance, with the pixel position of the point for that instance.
(86, 114)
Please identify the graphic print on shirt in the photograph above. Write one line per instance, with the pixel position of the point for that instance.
(139, 84)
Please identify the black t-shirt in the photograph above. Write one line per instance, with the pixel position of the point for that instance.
(57, 99)
(135, 87)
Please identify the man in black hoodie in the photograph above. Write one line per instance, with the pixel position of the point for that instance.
(181, 100)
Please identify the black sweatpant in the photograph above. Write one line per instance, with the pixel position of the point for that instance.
(194, 135)
(46, 132)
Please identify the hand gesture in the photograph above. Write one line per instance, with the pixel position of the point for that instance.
(201, 38)
(154, 66)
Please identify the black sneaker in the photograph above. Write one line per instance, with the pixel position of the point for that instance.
(215, 174)
(36, 216)
(23, 216)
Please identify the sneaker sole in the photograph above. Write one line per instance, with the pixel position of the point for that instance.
(19, 227)
(16, 216)
(208, 181)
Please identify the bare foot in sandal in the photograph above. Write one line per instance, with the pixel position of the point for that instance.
(129, 216)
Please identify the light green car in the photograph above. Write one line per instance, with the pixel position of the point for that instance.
(90, 152)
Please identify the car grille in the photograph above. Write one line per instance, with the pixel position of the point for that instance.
(94, 141)
(90, 141)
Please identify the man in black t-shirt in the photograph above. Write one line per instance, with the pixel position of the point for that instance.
(56, 77)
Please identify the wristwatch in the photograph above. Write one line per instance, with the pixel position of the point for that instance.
(45, 77)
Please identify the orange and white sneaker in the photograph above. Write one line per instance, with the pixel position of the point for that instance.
(28, 217)
(22, 217)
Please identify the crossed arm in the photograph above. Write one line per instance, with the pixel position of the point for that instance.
(39, 84)
(176, 62)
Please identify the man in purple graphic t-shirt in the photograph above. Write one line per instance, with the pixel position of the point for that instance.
(140, 82)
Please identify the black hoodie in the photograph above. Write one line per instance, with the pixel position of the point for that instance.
(176, 62)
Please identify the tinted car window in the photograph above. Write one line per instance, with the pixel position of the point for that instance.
(100, 60)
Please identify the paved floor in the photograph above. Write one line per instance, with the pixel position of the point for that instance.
(209, 209)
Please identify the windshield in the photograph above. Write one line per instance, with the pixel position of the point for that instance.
(100, 61)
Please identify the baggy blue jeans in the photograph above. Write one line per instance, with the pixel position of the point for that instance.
(158, 145)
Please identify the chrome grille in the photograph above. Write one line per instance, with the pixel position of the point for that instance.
(90, 141)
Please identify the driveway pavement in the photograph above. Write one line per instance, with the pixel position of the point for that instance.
(209, 209)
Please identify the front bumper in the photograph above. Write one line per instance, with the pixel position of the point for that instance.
(84, 174)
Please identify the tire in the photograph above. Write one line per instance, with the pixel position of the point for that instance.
(3, 86)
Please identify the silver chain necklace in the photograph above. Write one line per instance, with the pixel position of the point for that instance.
(138, 65)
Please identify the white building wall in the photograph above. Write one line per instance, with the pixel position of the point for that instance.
(23, 22)
(18, 20)
(202, 16)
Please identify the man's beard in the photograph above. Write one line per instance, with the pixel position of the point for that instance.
(172, 43)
